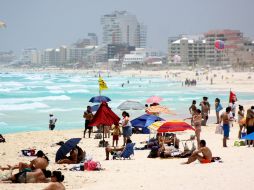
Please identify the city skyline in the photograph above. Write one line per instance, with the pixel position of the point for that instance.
(49, 24)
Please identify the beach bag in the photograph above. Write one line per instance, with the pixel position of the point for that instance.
(2, 139)
(219, 129)
(93, 166)
(154, 152)
(219, 108)
(105, 144)
(98, 136)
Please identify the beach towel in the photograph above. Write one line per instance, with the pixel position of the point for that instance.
(28, 152)
(219, 108)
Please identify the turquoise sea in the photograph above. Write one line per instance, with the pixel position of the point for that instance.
(26, 99)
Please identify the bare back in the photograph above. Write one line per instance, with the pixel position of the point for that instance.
(55, 186)
(36, 176)
(206, 153)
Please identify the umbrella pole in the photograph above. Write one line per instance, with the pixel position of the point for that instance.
(103, 136)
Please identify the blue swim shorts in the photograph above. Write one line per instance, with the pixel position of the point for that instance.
(226, 130)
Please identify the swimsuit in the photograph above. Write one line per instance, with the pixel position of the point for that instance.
(205, 161)
(20, 177)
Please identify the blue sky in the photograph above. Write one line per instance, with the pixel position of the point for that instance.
(51, 23)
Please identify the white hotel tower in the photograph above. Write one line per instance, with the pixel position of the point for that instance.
(120, 27)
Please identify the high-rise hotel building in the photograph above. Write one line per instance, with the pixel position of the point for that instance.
(121, 27)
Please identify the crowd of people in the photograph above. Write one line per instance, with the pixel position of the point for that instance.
(225, 119)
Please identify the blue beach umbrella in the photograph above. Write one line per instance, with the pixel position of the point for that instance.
(66, 148)
(249, 136)
(144, 121)
(95, 107)
(99, 99)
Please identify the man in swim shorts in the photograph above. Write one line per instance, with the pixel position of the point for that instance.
(206, 156)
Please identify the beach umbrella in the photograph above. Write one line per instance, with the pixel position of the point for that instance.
(95, 107)
(159, 109)
(131, 105)
(2, 24)
(66, 148)
(249, 136)
(154, 99)
(170, 126)
(105, 117)
(144, 121)
(99, 99)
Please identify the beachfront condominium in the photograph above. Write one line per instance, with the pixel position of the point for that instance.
(233, 42)
(121, 27)
(191, 49)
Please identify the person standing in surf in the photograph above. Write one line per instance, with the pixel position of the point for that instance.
(52, 122)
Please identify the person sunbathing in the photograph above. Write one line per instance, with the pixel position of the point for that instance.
(35, 176)
(41, 162)
(121, 150)
(56, 181)
(206, 156)
(72, 159)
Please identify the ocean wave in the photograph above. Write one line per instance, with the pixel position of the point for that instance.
(3, 124)
(78, 91)
(38, 99)
(21, 107)
(59, 110)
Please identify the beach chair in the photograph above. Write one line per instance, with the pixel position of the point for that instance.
(126, 153)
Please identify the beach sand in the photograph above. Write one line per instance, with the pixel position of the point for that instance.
(142, 173)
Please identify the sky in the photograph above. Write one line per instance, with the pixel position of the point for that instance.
(52, 23)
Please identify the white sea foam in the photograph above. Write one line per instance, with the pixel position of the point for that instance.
(3, 124)
(21, 107)
(38, 99)
(78, 91)
(53, 110)
(57, 91)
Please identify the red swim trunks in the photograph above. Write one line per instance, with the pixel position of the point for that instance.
(205, 161)
(115, 137)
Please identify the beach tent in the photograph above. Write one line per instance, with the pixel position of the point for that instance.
(144, 121)
(105, 117)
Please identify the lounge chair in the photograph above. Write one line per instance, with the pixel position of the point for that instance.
(126, 153)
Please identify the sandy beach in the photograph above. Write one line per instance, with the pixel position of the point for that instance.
(142, 173)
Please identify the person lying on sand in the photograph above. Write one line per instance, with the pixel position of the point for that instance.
(206, 156)
(56, 179)
(36, 176)
(41, 162)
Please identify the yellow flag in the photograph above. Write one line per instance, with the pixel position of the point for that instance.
(102, 84)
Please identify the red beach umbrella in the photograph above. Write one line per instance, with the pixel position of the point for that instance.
(104, 116)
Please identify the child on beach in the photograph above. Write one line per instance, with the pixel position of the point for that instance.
(116, 133)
